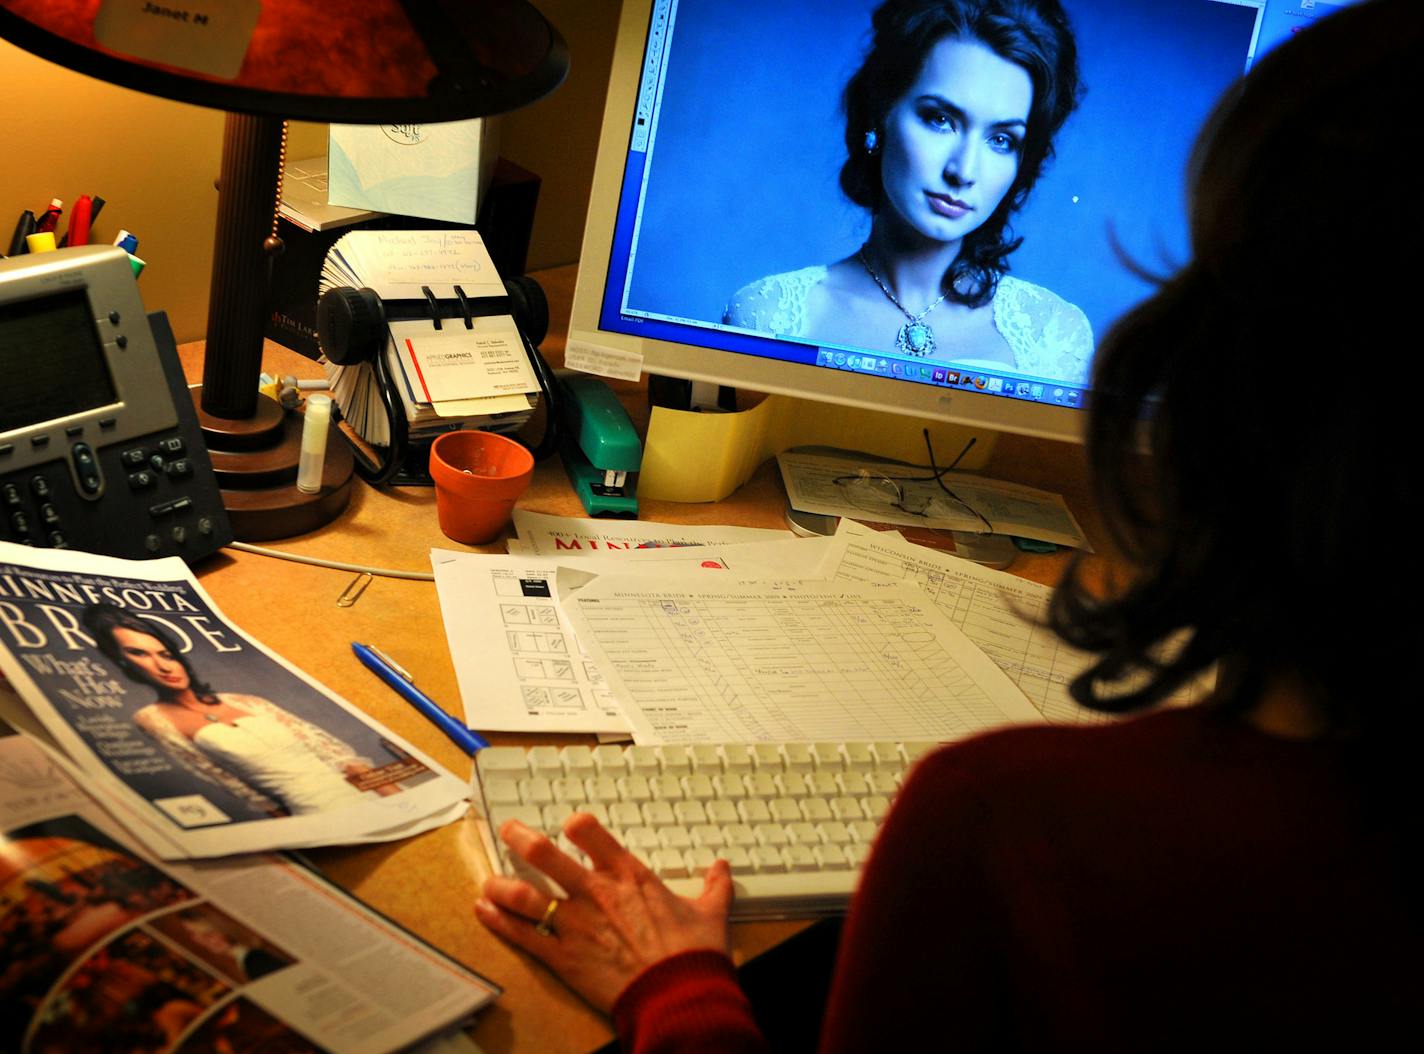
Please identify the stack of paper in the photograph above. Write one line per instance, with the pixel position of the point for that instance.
(687, 634)
(467, 373)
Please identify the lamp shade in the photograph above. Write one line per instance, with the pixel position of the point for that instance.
(353, 61)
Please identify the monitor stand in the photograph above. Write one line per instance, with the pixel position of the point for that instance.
(681, 436)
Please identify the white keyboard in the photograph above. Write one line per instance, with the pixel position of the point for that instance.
(795, 820)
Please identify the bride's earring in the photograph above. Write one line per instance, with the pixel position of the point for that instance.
(872, 141)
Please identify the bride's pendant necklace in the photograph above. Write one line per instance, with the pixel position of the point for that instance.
(915, 337)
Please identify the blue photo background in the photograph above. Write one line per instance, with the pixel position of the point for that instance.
(749, 146)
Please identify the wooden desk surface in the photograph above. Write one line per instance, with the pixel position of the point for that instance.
(428, 883)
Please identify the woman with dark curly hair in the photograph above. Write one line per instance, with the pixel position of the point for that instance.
(949, 122)
(1234, 874)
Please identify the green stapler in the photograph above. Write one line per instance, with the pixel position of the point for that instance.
(601, 451)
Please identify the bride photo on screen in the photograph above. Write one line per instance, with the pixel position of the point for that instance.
(948, 124)
(265, 756)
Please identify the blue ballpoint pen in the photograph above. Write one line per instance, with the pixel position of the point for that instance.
(388, 671)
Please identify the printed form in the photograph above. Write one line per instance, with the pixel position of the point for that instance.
(797, 661)
(1002, 613)
(519, 666)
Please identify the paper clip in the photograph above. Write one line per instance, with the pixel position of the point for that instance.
(353, 591)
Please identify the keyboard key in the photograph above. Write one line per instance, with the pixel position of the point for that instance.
(553, 816)
(706, 758)
(634, 788)
(853, 784)
(601, 788)
(666, 788)
(863, 831)
(753, 810)
(675, 838)
(657, 813)
(676, 761)
(625, 814)
(858, 757)
(887, 755)
(709, 835)
(642, 761)
(794, 784)
(740, 834)
(876, 807)
(729, 786)
(645, 838)
(766, 859)
(767, 756)
(538, 791)
(847, 809)
(799, 858)
(698, 787)
(760, 785)
(828, 756)
(798, 757)
(669, 863)
(737, 757)
(699, 860)
(496, 761)
(609, 760)
(784, 810)
(722, 812)
(578, 762)
(803, 833)
(815, 810)
(545, 761)
(529, 815)
(569, 789)
(501, 792)
(772, 834)
(737, 858)
(883, 782)
(689, 812)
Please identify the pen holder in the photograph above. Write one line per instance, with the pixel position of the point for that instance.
(478, 478)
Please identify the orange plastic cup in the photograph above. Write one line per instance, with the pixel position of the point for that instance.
(478, 478)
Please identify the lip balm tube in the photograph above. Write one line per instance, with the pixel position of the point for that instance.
(313, 457)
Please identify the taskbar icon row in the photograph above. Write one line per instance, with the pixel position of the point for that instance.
(949, 377)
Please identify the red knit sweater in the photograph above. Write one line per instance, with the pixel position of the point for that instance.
(1175, 881)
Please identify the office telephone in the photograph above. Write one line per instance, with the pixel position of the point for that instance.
(99, 441)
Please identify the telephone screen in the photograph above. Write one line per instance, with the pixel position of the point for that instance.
(51, 360)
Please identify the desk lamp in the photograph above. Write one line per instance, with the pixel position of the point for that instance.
(264, 61)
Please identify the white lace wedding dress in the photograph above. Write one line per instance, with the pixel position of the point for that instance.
(1049, 337)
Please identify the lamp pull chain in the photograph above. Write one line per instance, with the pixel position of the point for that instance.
(273, 245)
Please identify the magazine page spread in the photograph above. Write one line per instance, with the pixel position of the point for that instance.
(215, 743)
(106, 949)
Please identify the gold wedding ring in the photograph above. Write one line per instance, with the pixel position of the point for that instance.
(545, 926)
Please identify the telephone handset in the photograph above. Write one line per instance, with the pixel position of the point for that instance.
(99, 442)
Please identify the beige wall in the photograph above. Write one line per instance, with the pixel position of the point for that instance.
(154, 161)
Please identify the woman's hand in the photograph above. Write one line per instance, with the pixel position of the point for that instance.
(619, 917)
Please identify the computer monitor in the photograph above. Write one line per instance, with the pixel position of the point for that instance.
(723, 139)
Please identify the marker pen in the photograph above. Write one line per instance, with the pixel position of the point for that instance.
(49, 220)
(126, 241)
(79, 221)
(24, 227)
